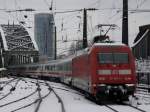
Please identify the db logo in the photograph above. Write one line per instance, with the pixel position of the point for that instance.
(115, 72)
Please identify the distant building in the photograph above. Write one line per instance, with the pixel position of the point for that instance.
(44, 29)
(141, 47)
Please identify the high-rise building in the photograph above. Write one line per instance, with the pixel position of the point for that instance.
(44, 31)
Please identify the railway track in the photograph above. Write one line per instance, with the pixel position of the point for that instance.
(58, 97)
(123, 108)
(6, 83)
(69, 89)
(18, 99)
(41, 86)
(42, 97)
(51, 89)
(12, 89)
(38, 100)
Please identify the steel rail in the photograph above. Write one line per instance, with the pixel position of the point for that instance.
(58, 97)
(116, 110)
(36, 101)
(19, 99)
(134, 107)
(40, 97)
(12, 89)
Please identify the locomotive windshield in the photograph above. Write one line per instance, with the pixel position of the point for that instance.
(114, 58)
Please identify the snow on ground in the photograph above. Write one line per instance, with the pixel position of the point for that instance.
(143, 101)
(73, 100)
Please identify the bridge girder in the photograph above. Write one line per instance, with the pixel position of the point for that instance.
(17, 46)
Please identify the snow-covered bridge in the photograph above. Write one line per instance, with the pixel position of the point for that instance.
(17, 46)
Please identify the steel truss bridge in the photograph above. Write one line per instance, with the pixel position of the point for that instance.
(16, 46)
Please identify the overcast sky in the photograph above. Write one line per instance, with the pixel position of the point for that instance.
(71, 20)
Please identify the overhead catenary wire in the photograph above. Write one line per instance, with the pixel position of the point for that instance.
(140, 4)
(68, 11)
(16, 7)
(78, 10)
(95, 3)
(118, 10)
(46, 2)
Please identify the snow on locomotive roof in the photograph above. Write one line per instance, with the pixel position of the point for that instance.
(87, 50)
(111, 44)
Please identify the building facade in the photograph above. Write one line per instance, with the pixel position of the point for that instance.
(44, 31)
(141, 47)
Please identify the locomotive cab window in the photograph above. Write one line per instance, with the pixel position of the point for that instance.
(115, 58)
(105, 58)
(121, 58)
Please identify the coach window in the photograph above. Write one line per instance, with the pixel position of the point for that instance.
(54, 67)
(121, 58)
(66, 67)
(47, 67)
(62, 67)
(105, 58)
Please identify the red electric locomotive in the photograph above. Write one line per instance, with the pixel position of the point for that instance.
(105, 69)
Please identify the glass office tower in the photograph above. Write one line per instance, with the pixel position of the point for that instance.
(44, 31)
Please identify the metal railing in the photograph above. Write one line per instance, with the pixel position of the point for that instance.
(143, 74)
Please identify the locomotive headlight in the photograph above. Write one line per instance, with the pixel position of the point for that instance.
(104, 72)
(130, 85)
(126, 71)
